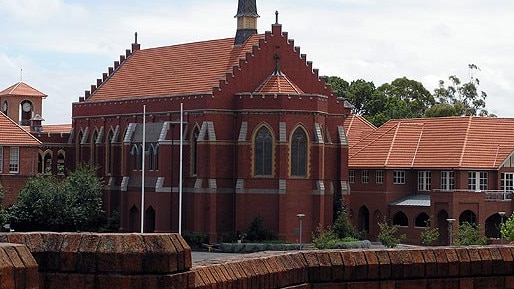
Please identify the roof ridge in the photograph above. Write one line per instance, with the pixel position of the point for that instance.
(14, 87)
(465, 143)
(417, 145)
(397, 126)
(20, 127)
(373, 140)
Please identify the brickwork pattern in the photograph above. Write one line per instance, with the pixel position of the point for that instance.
(18, 269)
(97, 261)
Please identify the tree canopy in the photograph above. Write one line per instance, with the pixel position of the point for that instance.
(50, 204)
(407, 98)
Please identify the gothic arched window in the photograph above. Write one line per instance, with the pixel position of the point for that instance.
(299, 153)
(263, 151)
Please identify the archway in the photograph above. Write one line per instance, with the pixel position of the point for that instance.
(442, 224)
(400, 219)
(422, 220)
(468, 216)
(492, 226)
(364, 219)
(149, 220)
(134, 220)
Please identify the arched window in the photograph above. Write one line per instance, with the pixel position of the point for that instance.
(94, 152)
(40, 164)
(422, 220)
(79, 147)
(263, 143)
(109, 152)
(47, 163)
(26, 108)
(149, 220)
(400, 219)
(194, 151)
(5, 107)
(61, 157)
(468, 216)
(151, 160)
(156, 157)
(135, 153)
(299, 153)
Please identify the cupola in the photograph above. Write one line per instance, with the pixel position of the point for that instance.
(246, 21)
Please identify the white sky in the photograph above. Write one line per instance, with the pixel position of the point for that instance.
(63, 46)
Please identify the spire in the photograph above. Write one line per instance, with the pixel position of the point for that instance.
(246, 20)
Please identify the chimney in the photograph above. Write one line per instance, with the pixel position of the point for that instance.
(36, 123)
(246, 21)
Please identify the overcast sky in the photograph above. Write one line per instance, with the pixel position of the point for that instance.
(63, 46)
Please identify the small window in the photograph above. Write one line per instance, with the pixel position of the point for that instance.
(447, 180)
(379, 176)
(477, 181)
(351, 176)
(14, 160)
(424, 180)
(399, 177)
(364, 176)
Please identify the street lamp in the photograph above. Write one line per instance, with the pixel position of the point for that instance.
(502, 214)
(450, 230)
(300, 217)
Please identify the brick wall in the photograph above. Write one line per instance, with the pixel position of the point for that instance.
(75, 260)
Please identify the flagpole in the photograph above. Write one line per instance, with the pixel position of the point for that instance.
(180, 169)
(143, 172)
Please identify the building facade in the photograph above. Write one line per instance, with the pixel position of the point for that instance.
(262, 135)
(437, 171)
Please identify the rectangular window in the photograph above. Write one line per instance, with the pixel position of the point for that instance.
(447, 180)
(14, 160)
(424, 180)
(399, 177)
(379, 176)
(351, 176)
(477, 181)
(507, 181)
(364, 176)
(1, 159)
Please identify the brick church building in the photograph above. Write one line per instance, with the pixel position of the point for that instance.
(262, 135)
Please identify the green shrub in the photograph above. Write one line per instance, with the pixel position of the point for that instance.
(195, 240)
(507, 229)
(343, 227)
(469, 234)
(429, 236)
(387, 235)
(257, 233)
(328, 239)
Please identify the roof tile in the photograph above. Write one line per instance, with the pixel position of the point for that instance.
(11, 134)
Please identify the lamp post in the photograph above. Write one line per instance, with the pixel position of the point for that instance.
(450, 230)
(502, 214)
(300, 217)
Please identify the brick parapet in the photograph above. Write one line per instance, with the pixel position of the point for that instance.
(90, 260)
(433, 267)
(18, 268)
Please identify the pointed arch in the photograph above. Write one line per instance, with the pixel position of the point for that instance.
(468, 216)
(134, 219)
(194, 150)
(61, 160)
(263, 144)
(47, 162)
(135, 155)
(151, 160)
(400, 219)
(422, 220)
(94, 146)
(109, 153)
(78, 143)
(299, 152)
(363, 222)
(149, 220)
(155, 157)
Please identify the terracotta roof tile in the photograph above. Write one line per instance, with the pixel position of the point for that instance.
(11, 134)
(22, 89)
(356, 128)
(451, 142)
(57, 128)
(278, 83)
(171, 70)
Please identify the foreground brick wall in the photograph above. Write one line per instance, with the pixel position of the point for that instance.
(87, 261)
(157, 261)
(18, 269)
(440, 267)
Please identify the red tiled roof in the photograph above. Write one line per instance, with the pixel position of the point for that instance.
(278, 83)
(177, 69)
(57, 128)
(356, 128)
(449, 142)
(11, 134)
(21, 89)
